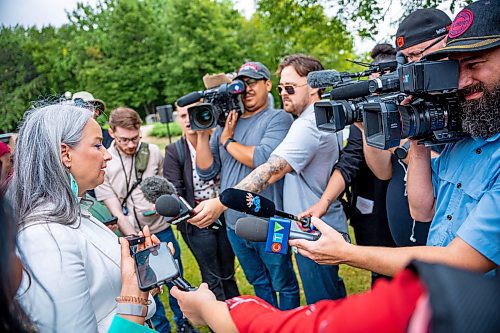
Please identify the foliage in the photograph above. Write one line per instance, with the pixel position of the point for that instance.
(367, 14)
(160, 130)
(147, 53)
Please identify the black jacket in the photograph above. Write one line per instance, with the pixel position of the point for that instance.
(180, 173)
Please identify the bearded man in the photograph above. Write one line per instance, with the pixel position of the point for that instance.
(459, 190)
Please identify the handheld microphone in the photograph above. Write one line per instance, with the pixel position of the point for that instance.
(256, 205)
(178, 210)
(154, 187)
(323, 79)
(255, 230)
(190, 98)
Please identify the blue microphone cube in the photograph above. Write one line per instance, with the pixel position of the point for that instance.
(278, 231)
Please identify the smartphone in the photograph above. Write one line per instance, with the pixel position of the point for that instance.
(112, 220)
(155, 266)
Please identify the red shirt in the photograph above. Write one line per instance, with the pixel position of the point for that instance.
(387, 308)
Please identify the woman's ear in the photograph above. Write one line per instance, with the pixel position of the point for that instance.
(66, 155)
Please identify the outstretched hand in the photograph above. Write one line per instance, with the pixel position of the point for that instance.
(207, 212)
(330, 249)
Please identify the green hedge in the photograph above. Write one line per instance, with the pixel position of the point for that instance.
(160, 130)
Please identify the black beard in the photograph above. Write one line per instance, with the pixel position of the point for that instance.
(480, 117)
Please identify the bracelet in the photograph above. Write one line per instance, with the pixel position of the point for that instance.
(130, 309)
(132, 299)
(228, 141)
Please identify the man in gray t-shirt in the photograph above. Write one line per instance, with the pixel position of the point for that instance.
(234, 151)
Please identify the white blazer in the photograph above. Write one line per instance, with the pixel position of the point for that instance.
(76, 275)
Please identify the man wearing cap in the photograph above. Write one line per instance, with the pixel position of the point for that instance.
(462, 191)
(87, 100)
(421, 33)
(244, 143)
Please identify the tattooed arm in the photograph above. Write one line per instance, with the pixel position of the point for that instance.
(266, 174)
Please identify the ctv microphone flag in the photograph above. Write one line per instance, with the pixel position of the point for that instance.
(278, 231)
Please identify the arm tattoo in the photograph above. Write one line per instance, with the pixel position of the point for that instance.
(258, 179)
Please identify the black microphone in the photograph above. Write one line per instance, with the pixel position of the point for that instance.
(255, 230)
(256, 205)
(323, 79)
(155, 186)
(354, 90)
(190, 98)
(178, 210)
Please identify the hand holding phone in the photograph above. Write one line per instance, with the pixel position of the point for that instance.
(156, 266)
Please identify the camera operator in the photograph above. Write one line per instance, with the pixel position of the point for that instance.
(305, 159)
(466, 182)
(422, 32)
(244, 143)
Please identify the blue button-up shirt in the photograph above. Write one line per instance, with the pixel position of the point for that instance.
(467, 191)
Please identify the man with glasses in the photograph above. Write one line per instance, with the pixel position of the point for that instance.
(419, 34)
(244, 143)
(122, 195)
(305, 160)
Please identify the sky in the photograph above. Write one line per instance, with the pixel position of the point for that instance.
(53, 12)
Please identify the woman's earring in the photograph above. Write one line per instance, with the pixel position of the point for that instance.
(73, 184)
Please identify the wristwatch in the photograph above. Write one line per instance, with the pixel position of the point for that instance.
(132, 309)
(228, 141)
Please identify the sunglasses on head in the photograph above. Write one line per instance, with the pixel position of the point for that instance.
(290, 89)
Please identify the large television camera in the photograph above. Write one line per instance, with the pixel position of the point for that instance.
(430, 117)
(217, 103)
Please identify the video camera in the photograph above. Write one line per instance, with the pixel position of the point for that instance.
(218, 102)
(430, 117)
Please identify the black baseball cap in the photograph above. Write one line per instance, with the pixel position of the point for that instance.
(254, 70)
(475, 28)
(420, 26)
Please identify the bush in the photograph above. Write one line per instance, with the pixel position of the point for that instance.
(160, 130)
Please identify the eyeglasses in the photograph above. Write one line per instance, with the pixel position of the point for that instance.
(251, 82)
(125, 141)
(418, 53)
(290, 89)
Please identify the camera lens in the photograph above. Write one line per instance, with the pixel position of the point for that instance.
(203, 118)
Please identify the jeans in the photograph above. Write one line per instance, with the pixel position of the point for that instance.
(268, 273)
(319, 281)
(159, 319)
(215, 257)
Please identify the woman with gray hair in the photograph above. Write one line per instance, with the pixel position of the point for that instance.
(73, 258)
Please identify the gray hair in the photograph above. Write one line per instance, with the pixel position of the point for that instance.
(40, 190)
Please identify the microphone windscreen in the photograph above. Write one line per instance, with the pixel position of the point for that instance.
(155, 186)
(323, 79)
(190, 98)
(355, 90)
(247, 202)
(168, 205)
(252, 229)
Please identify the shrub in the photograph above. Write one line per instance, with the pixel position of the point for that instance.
(160, 130)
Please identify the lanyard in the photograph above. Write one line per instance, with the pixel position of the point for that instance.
(127, 180)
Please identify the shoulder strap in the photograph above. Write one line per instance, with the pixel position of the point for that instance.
(141, 161)
(180, 149)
